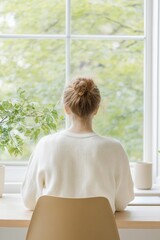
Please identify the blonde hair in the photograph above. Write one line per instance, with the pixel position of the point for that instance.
(82, 96)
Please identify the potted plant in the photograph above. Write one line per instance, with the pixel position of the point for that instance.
(23, 120)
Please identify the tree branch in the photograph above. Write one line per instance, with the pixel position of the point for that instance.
(3, 119)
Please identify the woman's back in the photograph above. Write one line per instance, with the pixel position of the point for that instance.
(81, 165)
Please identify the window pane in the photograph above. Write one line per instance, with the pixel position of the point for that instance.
(37, 66)
(117, 66)
(32, 16)
(107, 17)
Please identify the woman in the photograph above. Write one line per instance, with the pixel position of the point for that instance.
(77, 162)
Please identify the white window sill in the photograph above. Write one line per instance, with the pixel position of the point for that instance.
(145, 201)
(12, 187)
(154, 191)
(149, 197)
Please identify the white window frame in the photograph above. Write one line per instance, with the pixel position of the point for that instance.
(155, 86)
(15, 171)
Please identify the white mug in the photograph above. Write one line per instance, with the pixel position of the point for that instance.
(143, 175)
(2, 175)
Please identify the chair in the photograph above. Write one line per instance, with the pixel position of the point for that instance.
(57, 218)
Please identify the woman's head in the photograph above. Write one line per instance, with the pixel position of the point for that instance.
(82, 97)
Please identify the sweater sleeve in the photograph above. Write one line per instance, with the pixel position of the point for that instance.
(124, 183)
(32, 186)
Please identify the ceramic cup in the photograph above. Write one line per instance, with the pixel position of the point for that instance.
(143, 175)
(2, 174)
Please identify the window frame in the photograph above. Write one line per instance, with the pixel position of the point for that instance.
(155, 87)
(151, 74)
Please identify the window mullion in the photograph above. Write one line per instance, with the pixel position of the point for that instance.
(68, 46)
(32, 36)
(68, 36)
(147, 142)
(107, 37)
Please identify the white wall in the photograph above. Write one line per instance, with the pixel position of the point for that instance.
(13, 233)
(125, 234)
(139, 234)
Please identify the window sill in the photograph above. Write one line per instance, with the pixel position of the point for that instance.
(145, 201)
(154, 191)
(12, 187)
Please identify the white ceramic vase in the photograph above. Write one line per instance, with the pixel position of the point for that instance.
(143, 175)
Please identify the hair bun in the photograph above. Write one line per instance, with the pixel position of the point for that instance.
(83, 86)
(82, 97)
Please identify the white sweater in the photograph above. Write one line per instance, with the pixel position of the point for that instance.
(76, 165)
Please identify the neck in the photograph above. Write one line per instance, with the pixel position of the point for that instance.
(80, 125)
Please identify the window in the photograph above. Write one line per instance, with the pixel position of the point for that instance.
(43, 44)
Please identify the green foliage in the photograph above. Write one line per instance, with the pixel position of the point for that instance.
(22, 119)
(33, 16)
(123, 17)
